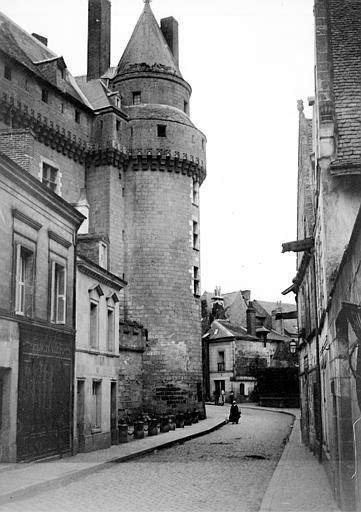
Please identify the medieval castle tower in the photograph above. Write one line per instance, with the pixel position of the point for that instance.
(149, 206)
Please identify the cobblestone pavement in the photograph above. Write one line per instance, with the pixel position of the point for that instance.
(226, 470)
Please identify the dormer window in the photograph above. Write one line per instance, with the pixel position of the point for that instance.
(137, 98)
(161, 130)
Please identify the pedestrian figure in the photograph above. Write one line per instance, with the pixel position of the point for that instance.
(222, 396)
(234, 413)
(231, 397)
(216, 397)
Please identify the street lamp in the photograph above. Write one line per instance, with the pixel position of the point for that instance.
(293, 346)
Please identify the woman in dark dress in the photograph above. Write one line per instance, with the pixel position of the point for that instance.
(234, 413)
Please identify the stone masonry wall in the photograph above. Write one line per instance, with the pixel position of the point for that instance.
(159, 269)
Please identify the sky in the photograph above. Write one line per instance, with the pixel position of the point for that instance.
(248, 62)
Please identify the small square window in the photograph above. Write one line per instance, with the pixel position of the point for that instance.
(7, 72)
(77, 116)
(161, 130)
(137, 98)
(45, 95)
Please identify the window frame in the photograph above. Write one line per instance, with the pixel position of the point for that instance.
(97, 405)
(196, 281)
(137, 97)
(52, 185)
(103, 255)
(56, 297)
(195, 233)
(162, 131)
(110, 332)
(94, 332)
(24, 286)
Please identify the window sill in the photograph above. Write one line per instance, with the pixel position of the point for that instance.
(96, 430)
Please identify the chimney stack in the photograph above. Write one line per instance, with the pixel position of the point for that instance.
(98, 38)
(169, 28)
(251, 319)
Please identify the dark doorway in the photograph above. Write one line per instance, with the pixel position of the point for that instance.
(113, 412)
(80, 400)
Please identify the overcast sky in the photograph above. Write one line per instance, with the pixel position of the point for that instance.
(248, 62)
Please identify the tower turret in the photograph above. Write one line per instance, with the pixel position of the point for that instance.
(166, 165)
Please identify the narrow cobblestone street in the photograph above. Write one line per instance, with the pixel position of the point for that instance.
(226, 470)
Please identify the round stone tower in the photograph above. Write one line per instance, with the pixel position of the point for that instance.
(161, 213)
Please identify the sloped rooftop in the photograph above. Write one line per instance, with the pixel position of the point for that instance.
(147, 48)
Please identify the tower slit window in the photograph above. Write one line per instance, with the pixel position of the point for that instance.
(195, 235)
(196, 281)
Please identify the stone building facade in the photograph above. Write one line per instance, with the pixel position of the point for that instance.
(37, 322)
(327, 281)
(118, 144)
(244, 345)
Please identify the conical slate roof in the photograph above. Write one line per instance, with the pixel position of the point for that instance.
(147, 48)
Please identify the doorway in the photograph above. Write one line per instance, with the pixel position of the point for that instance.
(113, 413)
(80, 414)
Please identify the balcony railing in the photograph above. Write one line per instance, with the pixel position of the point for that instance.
(221, 367)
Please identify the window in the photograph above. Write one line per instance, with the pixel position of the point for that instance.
(195, 235)
(161, 130)
(195, 193)
(58, 293)
(7, 72)
(77, 116)
(62, 108)
(186, 105)
(96, 410)
(117, 126)
(103, 255)
(137, 98)
(196, 281)
(220, 361)
(45, 95)
(110, 330)
(26, 85)
(50, 176)
(93, 325)
(24, 281)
